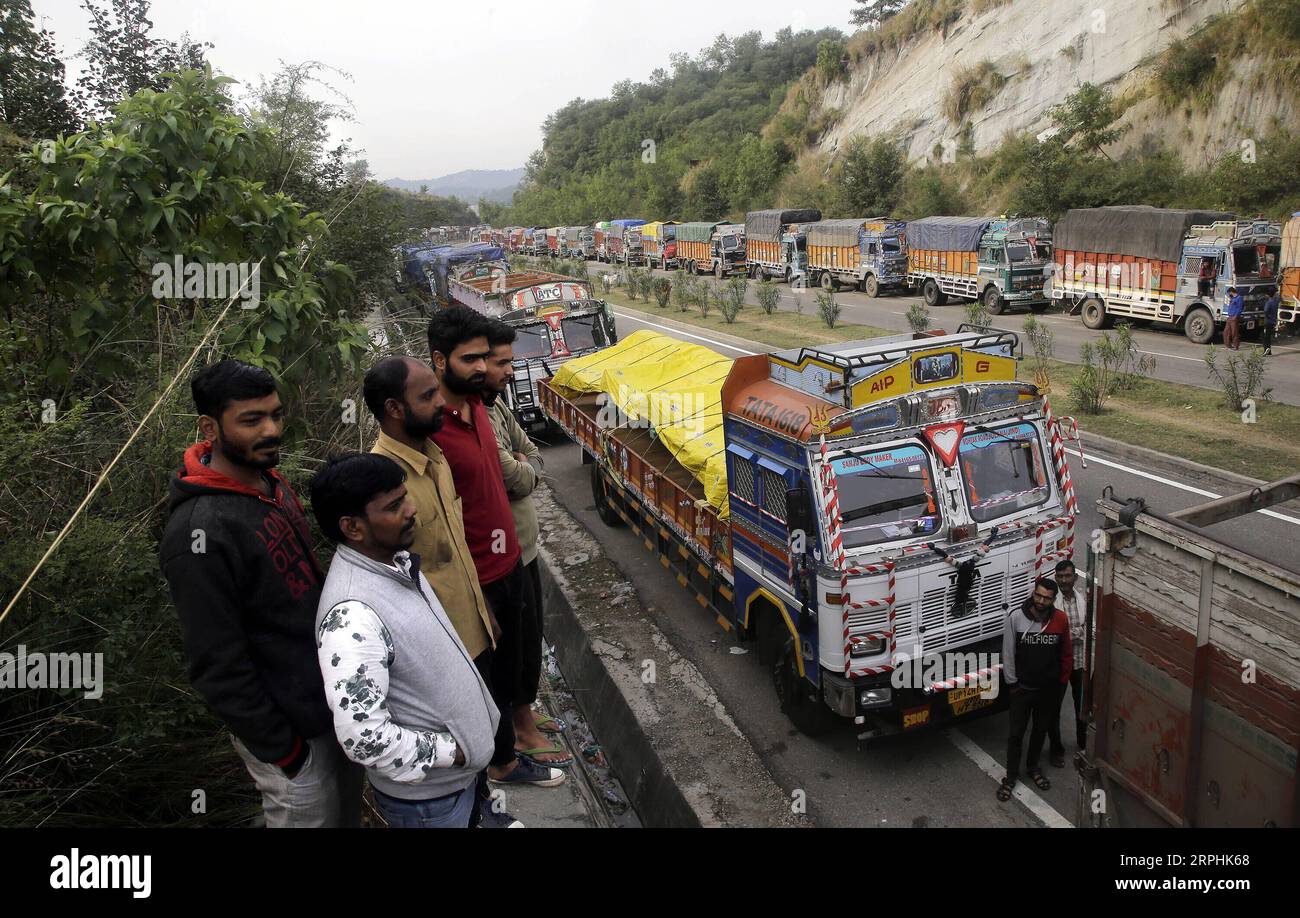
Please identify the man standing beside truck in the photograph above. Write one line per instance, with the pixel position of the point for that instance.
(1070, 600)
(521, 469)
(1036, 662)
(1232, 312)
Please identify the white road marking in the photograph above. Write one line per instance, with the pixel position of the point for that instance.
(1191, 489)
(1179, 485)
(987, 764)
(678, 331)
(1173, 356)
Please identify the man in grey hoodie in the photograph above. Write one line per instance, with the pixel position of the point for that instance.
(408, 702)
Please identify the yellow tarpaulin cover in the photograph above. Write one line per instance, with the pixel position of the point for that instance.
(674, 387)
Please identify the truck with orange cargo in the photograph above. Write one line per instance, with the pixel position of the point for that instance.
(1193, 656)
(553, 242)
(1289, 271)
(998, 260)
(865, 513)
(1169, 267)
(868, 254)
(763, 234)
(659, 241)
(711, 248)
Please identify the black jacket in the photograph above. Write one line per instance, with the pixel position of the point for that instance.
(246, 585)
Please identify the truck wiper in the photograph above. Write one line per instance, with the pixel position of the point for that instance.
(884, 507)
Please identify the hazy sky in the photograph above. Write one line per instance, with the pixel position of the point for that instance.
(440, 87)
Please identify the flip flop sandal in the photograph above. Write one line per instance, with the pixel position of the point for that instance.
(1040, 779)
(1004, 791)
(529, 755)
(548, 724)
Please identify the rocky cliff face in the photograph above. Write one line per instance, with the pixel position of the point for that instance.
(1034, 53)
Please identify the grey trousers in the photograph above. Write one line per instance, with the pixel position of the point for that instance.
(324, 794)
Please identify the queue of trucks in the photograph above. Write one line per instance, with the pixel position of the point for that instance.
(1164, 266)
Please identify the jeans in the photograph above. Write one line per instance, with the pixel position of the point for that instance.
(449, 812)
(324, 794)
(1043, 706)
(1075, 686)
(530, 636)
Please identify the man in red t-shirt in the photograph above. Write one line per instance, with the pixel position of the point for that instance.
(458, 346)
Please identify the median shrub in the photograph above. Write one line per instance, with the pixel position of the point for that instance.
(1240, 377)
(768, 296)
(663, 289)
(827, 308)
(918, 318)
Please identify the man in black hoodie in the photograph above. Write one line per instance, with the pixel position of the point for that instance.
(1036, 662)
(237, 554)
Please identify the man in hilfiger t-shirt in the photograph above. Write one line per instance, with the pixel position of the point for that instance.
(1036, 661)
(236, 552)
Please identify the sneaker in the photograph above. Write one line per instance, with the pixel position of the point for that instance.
(494, 820)
(528, 773)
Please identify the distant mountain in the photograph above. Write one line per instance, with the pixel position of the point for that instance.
(468, 185)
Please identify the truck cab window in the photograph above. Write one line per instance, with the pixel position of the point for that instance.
(1004, 471)
(1019, 252)
(890, 246)
(532, 341)
(886, 495)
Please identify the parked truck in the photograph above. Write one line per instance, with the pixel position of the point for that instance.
(623, 241)
(865, 513)
(555, 318)
(1289, 271)
(711, 248)
(1169, 267)
(999, 261)
(1194, 672)
(587, 243)
(599, 236)
(659, 239)
(868, 254)
(763, 234)
(571, 241)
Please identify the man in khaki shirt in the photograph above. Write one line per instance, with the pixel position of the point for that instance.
(404, 396)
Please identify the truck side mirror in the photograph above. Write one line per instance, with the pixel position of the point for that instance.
(798, 511)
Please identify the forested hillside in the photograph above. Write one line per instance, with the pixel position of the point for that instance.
(684, 144)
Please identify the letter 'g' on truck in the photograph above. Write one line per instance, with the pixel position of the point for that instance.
(867, 254)
(1194, 665)
(1001, 262)
(1171, 267)
(865, 513)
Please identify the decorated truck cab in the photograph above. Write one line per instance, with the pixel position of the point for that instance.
(886, 503)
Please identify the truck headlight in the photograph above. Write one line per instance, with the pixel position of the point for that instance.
(861, 647)
(876, 697)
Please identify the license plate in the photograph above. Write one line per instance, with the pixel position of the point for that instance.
(965, 700)
(1249, 326)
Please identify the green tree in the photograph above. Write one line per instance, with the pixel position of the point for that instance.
(871, 177)
(1087, 118)
(33, 99)
(874, 13)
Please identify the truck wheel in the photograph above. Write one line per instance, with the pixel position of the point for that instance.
(600, 495)
(1094, 315)
(871, 286)
(826, 282)
(931, 293)
(1198, 325)
(800, 700)
(993, 301)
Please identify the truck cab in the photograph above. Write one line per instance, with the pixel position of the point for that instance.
(794, 253)
(1013, 258)
(890, 501)
(633, 246)
(1240, 254)
(727, 250)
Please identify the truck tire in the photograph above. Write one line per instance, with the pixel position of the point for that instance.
(931, 293)
(993, 301)
(1198, 325)
(826, 281)
(600, 496)
(871, 286)
(799, 699)
(1094, 315)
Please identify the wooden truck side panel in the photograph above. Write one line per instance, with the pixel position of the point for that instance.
(846, 257)
(935, 261)
(693, 251)
(763, 251)
(1196, 681)
(1099, 272)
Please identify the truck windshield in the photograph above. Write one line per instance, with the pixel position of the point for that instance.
(885, 495)
(1246, 261)
(532, 341)
(580, 332)
(1004, 471)
(730, 242)
(1019, 252)
(889, 246)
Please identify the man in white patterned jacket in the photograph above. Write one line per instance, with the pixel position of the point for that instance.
(408, 702)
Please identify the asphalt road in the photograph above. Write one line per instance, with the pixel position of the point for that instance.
(939, 777)
(1177, 359)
